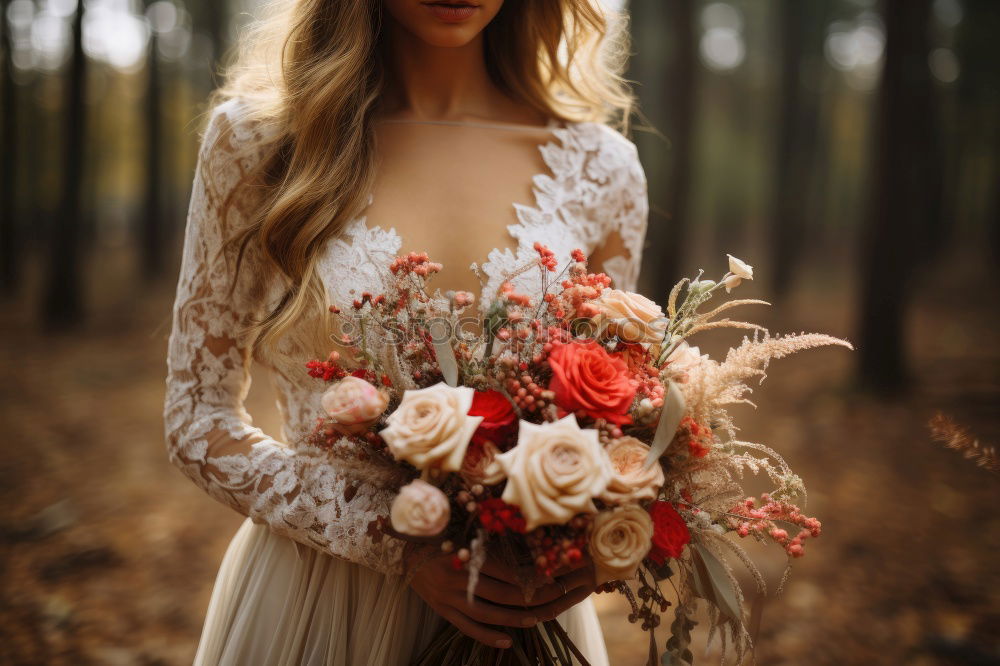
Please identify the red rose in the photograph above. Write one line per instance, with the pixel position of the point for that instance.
(499, 418)
(670, 532)
(586, 378)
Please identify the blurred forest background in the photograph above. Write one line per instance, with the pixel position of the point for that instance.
(849, 149)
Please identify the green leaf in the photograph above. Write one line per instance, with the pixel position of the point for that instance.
(446, 360)
(715, 585)
(670, 417)
(671, 659)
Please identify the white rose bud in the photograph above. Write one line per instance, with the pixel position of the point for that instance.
(702, 285)
(420, 510)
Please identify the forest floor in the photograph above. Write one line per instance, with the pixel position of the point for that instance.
(108, 554)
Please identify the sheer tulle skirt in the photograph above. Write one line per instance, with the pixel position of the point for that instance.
(279, 604)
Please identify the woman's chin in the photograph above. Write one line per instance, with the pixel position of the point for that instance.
(444, 23)
(445, 36)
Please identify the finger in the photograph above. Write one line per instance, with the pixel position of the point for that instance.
(500, 571)
(488, 613)
(499, 592)
(583, 577)
(552, 610)
(473, 629)
(564, 569)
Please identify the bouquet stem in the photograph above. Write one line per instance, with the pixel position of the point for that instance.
(547, 644)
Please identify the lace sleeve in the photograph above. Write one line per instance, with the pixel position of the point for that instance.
(300, 493)
(624, 208)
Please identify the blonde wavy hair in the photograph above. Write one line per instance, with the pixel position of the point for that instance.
(311, 73)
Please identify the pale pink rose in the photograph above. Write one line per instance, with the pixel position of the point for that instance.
(555, 471)
(632, 317)
(354, 404)
(432, 428)
(631, 481)
(481, 466)
(619, 540)
(420, 510)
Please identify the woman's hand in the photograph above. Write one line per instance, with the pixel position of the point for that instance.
(499, 598)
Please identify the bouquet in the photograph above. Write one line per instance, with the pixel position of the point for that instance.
(581, 423)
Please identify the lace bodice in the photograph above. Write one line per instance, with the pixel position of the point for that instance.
(595, 187)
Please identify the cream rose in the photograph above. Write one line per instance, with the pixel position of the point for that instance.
(630, 480)
(420, 510)
(684, 359)
(619, 540)
(555, 471)
(632, 317)
(431, 428)
(354, 404)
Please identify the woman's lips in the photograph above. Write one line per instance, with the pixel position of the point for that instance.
(451, 12)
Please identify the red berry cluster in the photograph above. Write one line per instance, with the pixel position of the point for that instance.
(415, 263)
(367, 297)
(526, 392)
(761, 520)
(547, 258)
(699, 438)
(328, 370)
(552, 551)
(511, 296)
(579, 291)
(497, 516)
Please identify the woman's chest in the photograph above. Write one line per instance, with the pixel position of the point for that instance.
(463, 198)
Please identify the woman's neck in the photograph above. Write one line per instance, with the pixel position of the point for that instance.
(426, 82)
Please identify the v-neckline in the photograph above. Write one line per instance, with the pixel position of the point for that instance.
(555, 145)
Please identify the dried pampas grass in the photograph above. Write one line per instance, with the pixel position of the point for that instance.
(957, 438)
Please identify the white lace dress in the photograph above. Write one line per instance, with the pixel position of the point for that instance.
(309, 578)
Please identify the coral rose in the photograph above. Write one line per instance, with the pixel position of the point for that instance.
(420, 509)
(354, 404)
(432, 428)
(631, 481)
(631, 317)
(619, 540)
(670, 532)
(585, 378)
(554, 472)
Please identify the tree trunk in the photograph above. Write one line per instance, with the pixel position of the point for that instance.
(152, 235)
(798, 174)
(901, 178)
(678, 103)
(217, 16)
(62, 304)
(9, 237)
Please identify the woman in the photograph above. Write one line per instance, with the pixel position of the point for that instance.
(350, 131)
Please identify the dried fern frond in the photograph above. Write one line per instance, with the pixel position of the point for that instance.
(957, 438)
(672, 300)
(724, 323)
(709, 316)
